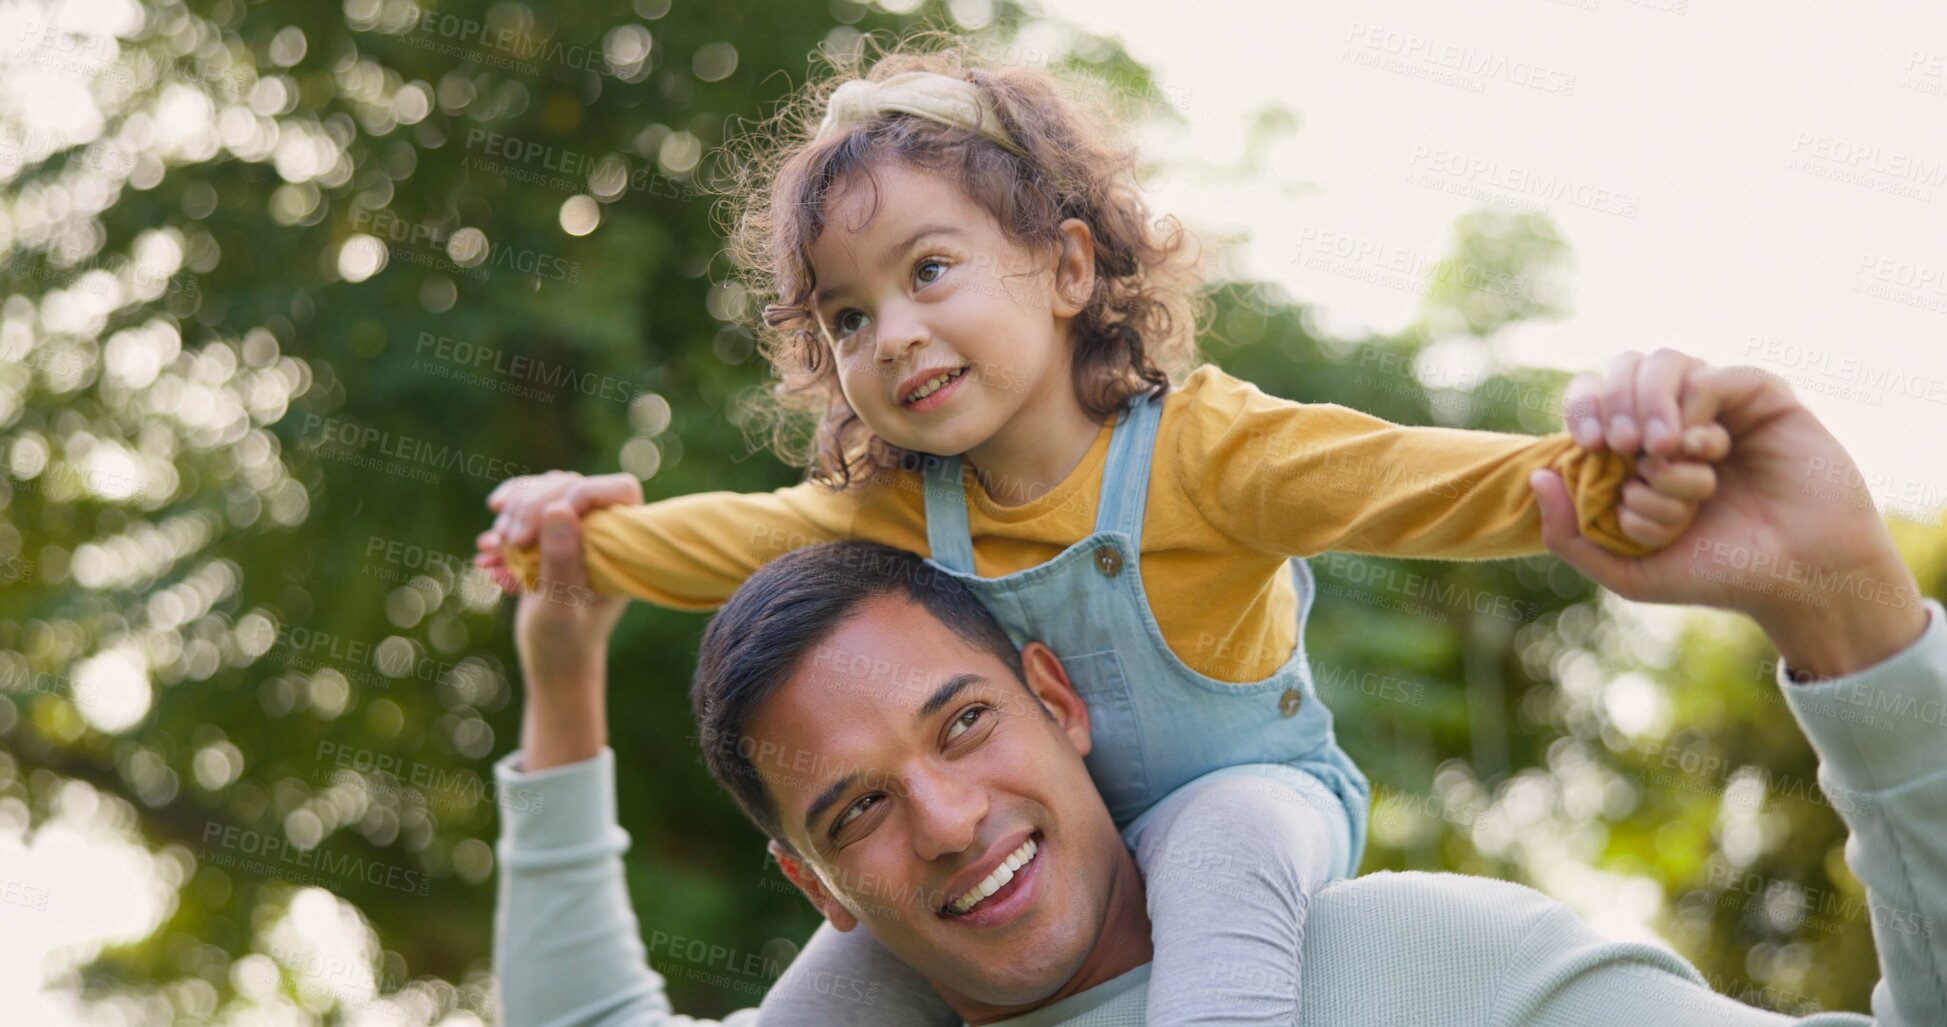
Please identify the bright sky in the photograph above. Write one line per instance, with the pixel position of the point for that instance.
(1750, 186)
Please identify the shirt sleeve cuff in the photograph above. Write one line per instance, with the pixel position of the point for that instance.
(1883, 726)
(569, 807)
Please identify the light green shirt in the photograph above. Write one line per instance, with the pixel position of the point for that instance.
(1392, 949)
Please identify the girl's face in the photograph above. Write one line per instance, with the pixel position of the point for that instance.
(929, 288)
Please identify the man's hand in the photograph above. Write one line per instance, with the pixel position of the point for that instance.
(561, 630)
(1635, 410)
(518, 504)
(1791, 538)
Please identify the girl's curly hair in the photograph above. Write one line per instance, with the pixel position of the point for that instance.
(1137, 332)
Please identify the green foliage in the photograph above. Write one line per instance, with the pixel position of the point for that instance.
(258, 465)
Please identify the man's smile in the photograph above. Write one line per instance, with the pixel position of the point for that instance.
(1005, 892)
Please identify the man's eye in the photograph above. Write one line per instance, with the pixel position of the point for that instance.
(919, 270)
(853, 812)
(966, 720)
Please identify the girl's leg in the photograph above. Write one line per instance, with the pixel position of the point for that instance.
(846, 977)
(1230, 862)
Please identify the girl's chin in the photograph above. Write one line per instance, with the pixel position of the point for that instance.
(948, 436)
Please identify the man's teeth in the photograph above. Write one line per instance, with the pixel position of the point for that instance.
(996, 880)
(932, 385)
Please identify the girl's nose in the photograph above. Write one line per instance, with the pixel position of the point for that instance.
(899, 334)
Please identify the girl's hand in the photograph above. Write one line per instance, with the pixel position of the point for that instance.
(519, 503)
(1638, 409)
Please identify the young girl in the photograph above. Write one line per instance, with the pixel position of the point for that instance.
(995, 342)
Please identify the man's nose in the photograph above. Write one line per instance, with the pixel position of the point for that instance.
(947, 811)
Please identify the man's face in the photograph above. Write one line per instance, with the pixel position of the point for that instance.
(924, 766)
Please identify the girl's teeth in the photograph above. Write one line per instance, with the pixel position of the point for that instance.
(933, 386)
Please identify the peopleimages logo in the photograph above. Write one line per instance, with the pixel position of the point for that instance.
(516, 368)
(275, 856)
(460, 252)
(527, 151)
(513, 42)
(1525, 182)
(420, 457)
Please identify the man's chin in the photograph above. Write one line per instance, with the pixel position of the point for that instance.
(1013, 968)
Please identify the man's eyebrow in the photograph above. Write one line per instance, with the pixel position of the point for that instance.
(826, 798)
(934, 703)
(819, 296)
(944, 694)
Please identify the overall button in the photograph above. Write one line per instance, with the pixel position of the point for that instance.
(1289, 702)
(1109, 561)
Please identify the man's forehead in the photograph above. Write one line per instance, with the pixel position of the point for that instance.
(894, 645)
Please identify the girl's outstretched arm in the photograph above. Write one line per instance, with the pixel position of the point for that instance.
(1300, 479)
(688, 552)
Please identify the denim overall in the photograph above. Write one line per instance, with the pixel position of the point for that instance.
(1156, 724)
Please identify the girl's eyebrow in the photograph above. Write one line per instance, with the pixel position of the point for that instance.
(820, 296)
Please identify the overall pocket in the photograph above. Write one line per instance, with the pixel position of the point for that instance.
(1116, 758)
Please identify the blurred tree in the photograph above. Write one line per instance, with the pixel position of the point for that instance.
(290, 287)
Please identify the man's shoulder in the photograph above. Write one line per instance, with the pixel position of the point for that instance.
(1436, 901)
(1416, 947)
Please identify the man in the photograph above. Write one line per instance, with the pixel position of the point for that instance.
(951, 754)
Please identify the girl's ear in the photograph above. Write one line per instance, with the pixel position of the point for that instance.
(813, 887)
(1074, 268)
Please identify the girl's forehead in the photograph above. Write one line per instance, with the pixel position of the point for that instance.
(891, 197)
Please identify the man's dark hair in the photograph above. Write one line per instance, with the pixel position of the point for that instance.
(779, 614)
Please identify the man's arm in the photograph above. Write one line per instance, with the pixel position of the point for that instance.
(1877, 733)
(1864, 669)
(567, 948)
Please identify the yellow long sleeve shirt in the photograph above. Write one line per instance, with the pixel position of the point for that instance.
(1240, 482)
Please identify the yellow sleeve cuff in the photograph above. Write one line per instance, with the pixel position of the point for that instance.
(1595, 482)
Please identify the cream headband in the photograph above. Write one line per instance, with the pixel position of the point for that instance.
(923, 94)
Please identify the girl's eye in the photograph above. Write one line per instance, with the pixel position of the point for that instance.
(853, 812)
(965, 721)
(844, 325)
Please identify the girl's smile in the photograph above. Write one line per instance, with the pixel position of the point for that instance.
(929, 389)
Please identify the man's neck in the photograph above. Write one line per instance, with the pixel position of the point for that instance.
(1122, 946)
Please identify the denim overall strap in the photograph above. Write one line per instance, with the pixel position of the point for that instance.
(1125, 481)
(947, 531)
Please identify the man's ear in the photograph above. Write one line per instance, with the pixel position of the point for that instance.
(813, 887)
(1048, 680)
(1074, 268)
